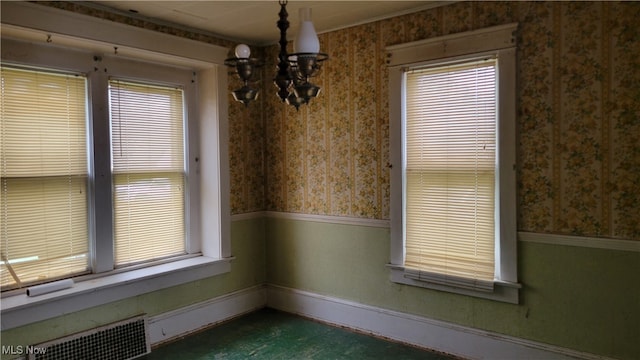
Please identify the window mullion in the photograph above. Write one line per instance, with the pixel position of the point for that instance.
(101, 179)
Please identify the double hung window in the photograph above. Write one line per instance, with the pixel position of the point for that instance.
(44, 176)
(113, 148)
(449, 177)
(147, 146)
(453, 138)
(54, 220)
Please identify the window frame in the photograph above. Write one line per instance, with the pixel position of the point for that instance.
(100, 178)
(152, 74)
(41, 78)
(498, 41)
(25, 27)
(187, 100)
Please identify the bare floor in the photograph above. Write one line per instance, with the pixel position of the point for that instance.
(270, 334)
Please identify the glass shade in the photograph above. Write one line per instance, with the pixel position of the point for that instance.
(307, 39)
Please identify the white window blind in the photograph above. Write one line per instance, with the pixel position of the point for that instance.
(450, 167)
(43, 168)
(147, 140)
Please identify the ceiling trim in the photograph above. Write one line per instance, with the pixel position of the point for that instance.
(133, 15)
(28, 20)
(428, 6)
(156, 21)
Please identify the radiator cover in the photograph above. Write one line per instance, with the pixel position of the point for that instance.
(127, 339)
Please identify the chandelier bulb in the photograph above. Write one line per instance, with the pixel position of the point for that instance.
(243, 51)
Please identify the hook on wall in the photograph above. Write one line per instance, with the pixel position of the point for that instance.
(49, 38)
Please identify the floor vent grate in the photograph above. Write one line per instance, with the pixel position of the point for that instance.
(118, 341)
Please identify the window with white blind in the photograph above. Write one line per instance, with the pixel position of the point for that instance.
(453, 139)
(44, 174)
(45, 202)
(44, 207)
(147, 146)
(101, 171)
(450, 160)
(125, 202)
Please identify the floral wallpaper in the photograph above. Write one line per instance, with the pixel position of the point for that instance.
(578, 117)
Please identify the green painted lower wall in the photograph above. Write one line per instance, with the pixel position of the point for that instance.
(579, 298)
(247, 270)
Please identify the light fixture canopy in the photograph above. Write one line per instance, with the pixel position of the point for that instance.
(294, 71)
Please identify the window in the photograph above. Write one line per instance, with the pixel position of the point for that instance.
(449, 172)
(101, 169)
(44, 175)
(147, 146)
(453, 195)
(192, 72)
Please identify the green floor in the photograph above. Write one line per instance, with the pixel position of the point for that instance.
(270, 334)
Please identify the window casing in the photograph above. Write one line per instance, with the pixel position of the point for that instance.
(43, 37)
(450, 170)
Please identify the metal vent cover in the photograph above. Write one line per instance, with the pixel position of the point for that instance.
(123, 340)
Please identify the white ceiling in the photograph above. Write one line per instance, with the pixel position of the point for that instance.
(254, 22)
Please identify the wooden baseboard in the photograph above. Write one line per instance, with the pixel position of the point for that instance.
(177, 323)
(415, 330)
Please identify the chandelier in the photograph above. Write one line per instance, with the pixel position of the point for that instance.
(294, 71)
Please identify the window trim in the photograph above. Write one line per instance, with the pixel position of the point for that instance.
(25, 28)
(499, 41)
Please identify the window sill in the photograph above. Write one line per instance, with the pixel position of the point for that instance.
(502, 291)
(19, 310)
